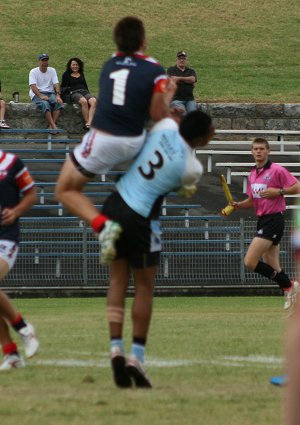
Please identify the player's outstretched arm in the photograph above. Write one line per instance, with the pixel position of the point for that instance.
(160, 102)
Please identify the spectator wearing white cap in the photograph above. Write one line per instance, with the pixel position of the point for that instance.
(45, 90)
(185, 78)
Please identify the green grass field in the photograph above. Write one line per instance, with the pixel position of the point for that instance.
(242, 51)
(210, 360)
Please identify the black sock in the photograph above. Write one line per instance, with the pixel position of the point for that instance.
(138, 340)
(283, 280)
(280, 277)
(265, 270)
(19, 325)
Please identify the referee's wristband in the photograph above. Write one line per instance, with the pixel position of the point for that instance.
(281, 191)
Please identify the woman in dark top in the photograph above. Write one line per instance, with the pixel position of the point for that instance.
(73, 83)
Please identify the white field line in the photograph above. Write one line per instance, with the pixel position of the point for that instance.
(228, 361)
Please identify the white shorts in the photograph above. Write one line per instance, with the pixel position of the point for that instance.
(98, 153)
(8, 252)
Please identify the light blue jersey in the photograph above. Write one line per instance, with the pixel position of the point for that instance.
(166, 163)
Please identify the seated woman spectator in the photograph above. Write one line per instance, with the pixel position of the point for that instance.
(74, 89)
(3, 123)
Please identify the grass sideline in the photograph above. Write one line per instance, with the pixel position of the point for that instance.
(230, 348)
(242, 51)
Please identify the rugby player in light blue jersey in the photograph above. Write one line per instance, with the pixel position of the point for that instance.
(166, 163)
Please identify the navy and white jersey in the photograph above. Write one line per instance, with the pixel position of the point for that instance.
(165, 163)
(126, 87)
(14, 180)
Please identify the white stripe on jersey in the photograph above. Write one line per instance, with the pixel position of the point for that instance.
(21, 172)
(7, 161)
(160, 77)
(150, 59)
(29, 185)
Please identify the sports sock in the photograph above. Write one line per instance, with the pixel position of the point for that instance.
(138, 348)
(283, 281)
(10, 348)
(117, 343)
(280, 277)
(19, 323)
(98, 223)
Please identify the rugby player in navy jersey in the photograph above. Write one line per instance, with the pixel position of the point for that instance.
(167, 162)
(17, 195)
(132, 87)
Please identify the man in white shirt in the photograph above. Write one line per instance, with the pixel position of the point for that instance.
(45, 90)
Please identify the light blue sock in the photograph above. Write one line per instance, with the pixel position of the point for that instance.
(138, 351)
(117, 343)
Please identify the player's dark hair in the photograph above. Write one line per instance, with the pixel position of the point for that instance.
(80, 63)
(195, 124)
(261, 141)
(129, 34)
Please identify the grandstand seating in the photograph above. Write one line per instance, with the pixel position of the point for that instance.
(31, 148)
(210, 153)
(229, 165)
(45, 163)
(274, 145)
(62, 251)
(278, 134)
(245, 175)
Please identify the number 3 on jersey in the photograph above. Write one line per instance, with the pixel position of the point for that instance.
(119, 86)
(152, 166)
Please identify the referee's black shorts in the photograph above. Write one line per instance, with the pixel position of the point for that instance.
(140, 241)
(271, 227)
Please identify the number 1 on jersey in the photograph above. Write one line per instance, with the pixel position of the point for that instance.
(119, 86)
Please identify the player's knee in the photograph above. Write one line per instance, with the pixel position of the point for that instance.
(83, 101)
(250, 263)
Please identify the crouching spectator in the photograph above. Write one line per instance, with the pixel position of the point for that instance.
(45, 90)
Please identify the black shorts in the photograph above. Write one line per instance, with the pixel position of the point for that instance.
(140, 241)
(76, 95)
(271, 227)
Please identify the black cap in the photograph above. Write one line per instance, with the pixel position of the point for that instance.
(182, 53)
(43, 56)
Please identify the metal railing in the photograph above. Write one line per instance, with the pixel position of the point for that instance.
(198, 251)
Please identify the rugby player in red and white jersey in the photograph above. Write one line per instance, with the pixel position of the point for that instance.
(132, 87)
(267, 184)
(17, 195)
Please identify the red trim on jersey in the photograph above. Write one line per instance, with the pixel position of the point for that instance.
(10, 159)
(24, 180)
(161, 85)
(138, 56)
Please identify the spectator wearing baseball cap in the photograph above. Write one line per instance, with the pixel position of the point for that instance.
(45, 90)
(185, 78)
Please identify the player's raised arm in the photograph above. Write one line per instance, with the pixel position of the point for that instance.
(161, 99)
